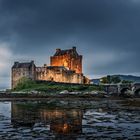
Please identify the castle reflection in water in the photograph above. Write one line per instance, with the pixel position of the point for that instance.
(60, 121)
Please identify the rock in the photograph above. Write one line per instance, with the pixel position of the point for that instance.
(85, 93)
(100, 110)
(103, 94)
(127, 94)
(91, 93)
(34, 92)
(94, 93)
(106, 96)
(75, 93)
(64, 92)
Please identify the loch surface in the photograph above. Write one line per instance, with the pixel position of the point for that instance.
(69, 119)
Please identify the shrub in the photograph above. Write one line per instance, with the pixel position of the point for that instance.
(26, 84)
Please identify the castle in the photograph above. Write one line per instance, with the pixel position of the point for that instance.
(65, 66)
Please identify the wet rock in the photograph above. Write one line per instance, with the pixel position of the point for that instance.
(94, 93)
(64, 92)
(100, 110)
(34, 92)
(100, 119)
(74, 93)
(26, 131)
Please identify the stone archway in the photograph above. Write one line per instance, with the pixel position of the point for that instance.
(124, 91)
(137, 92)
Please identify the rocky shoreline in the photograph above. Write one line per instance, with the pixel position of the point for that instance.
(102, 117)
(64, 95)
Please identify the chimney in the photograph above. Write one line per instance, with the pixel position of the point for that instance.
(74, 48)
(32, 61)
(58, 50)
(45, 65)
(16, 63)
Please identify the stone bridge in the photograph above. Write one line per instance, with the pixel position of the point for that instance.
(123, 88)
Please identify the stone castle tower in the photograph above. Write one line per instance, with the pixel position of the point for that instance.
(20, 70)
(70, 59)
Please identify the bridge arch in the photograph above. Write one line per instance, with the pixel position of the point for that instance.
(124, 90)
(137, 92)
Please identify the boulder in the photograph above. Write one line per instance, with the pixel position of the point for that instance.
(64, 92)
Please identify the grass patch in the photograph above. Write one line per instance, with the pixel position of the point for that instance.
(27, 85)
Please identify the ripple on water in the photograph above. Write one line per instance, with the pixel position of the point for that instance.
(99, 122)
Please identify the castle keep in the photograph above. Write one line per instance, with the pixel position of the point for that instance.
(65, 66)
(67, 58)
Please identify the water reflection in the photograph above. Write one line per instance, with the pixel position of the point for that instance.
(70, 120)
(5, 109)
(60, 121)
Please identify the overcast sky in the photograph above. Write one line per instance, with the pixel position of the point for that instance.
(106, 33)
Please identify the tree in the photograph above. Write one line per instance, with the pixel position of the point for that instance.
(24, 83)
(115, 79)
(126, 82)
(110, 79)
(104, 80)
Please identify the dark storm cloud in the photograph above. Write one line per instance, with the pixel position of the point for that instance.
(106, 32)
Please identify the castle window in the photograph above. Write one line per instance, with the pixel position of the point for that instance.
(51, 78)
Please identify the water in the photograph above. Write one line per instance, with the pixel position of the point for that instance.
(69, 119)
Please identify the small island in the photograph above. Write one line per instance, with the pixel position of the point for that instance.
(64, 78)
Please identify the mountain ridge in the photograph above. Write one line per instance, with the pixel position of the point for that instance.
(122, 77)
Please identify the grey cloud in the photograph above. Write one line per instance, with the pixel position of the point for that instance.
(34, 28)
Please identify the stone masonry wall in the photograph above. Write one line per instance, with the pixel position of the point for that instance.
(71, 61)
(58, 75)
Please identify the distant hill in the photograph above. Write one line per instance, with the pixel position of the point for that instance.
(122, 77)
(129, 77)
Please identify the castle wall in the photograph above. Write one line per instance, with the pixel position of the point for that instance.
(18, 73)
(66, 66)
(76, 64)
(58, 75)
(62, 60)
(71, 60)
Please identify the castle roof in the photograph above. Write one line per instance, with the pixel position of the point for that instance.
(60, 52)
(23, 65)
